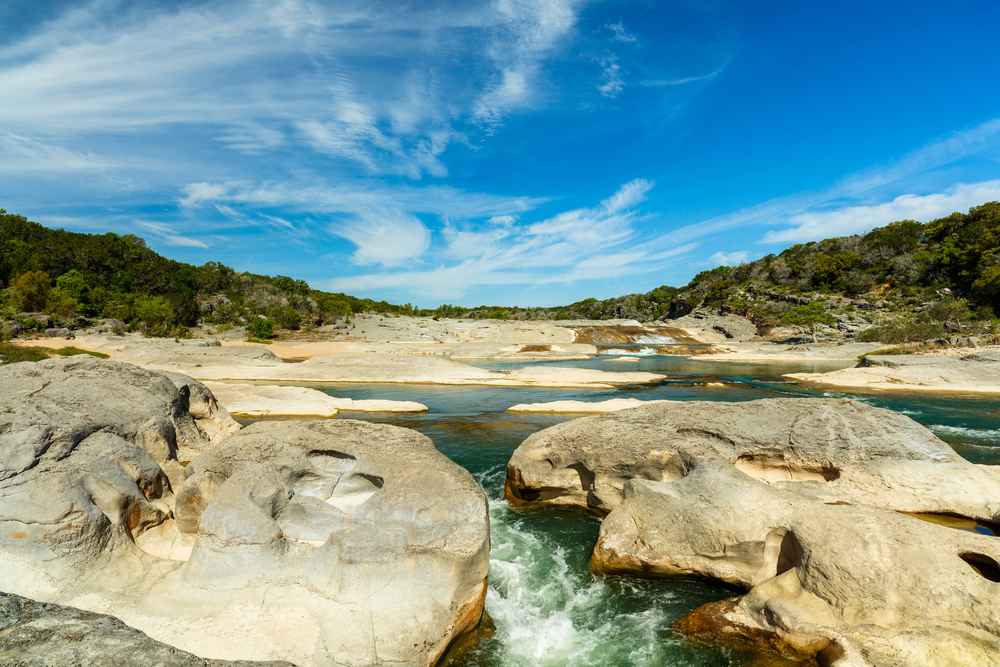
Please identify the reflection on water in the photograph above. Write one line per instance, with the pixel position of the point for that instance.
(548, 607)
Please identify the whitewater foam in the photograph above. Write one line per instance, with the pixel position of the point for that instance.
(965, 434)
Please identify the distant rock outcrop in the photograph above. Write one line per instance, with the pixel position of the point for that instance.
(319, 542)
(800, 501)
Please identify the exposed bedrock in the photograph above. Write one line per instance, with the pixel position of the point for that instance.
(35, 634)
(799, 501)
(330, 542)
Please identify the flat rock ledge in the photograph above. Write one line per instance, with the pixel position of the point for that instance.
(811, 505)
(248, 400)
(978, 372)
(259, 364)
(320, 542)
(609, 405)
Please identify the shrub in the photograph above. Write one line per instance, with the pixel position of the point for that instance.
(897, 333)
(564, 316)
(261, 328)
(288, 318)
(154, 314)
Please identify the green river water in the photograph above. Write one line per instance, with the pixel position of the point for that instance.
(548, 608)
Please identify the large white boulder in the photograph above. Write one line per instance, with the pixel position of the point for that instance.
(318, 542)
(800, 501)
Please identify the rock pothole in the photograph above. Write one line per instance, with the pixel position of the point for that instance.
(984, 565)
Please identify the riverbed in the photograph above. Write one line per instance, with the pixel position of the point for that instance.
(548, 608)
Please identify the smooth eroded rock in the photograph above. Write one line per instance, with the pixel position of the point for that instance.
(806, 503)
(318, 542)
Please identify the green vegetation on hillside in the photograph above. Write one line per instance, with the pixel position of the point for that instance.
(67, 274)
(942, 274)
(938, 276)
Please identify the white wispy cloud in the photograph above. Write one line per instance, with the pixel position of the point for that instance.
(845, 192)
(729, 258)
(525, 34)
(574, 245)
(659, 83)
(358, 196)
(378, 84)
(168, 235)
(620, 33)
(611, 75)
(384, 236)
(857, 219)
(20, 153)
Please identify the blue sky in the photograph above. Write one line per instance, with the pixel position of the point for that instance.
(506, 152)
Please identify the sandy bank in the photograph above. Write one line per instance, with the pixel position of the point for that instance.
(580, 406)
(978, 371)
(246, 400)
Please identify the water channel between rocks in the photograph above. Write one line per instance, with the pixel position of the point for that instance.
(548, 608)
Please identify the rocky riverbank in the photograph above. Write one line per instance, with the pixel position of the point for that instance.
(130, 492)
(975, 371)
(813, 506)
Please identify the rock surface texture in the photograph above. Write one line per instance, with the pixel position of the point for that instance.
(327, 542)
(247, 400)
(799, 501)
(253, 363)
(976, 372)
(33, 634)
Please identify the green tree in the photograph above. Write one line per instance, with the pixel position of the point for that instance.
(60, 304)
(810, 315)
(154, 314)
(288, 318)
(74, 285)
(31, 290)
(987, 288)
(717, 292)
(830, 267)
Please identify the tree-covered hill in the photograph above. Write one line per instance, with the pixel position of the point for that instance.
(904, 264)
(902, 267)
(68, 274)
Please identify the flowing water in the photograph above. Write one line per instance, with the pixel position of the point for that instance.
(548, 608)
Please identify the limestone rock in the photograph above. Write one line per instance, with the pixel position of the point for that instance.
(609, 405)
(42, 318)
(33, 634)
(11, 328)
(257, 363)
(59, 333)
(716, 327)
(270, 400)
(975, 372)
(324, 542)
(213, 419)
(801, 502)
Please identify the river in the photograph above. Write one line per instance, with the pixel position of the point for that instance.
(548, 608)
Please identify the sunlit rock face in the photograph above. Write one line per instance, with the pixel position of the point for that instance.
(36, 634)
(799, 501)
(316, 542)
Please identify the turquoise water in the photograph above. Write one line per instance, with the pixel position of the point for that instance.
(548, 608)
